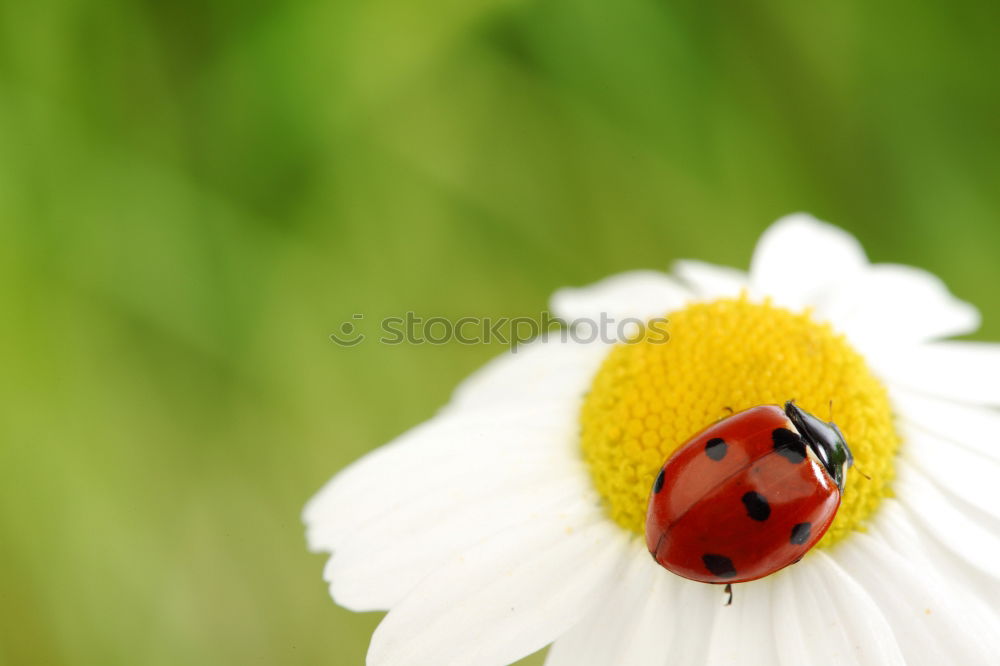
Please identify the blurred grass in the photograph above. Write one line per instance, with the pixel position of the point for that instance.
(194, 195)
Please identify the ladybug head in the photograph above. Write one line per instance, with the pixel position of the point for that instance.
(825, 441)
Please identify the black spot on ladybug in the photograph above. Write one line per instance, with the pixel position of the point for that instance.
(658, 486)
(789, 445)
(719, 565)
(716, 448)
(757, 506)
(800, 533)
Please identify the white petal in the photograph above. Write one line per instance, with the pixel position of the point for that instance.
(744, 628)
(889, 302)
(894, 525)
(799, 259)
(709, 281)
(955, 370)
(963, 473)
(676, 618)
(931, 619)
(953, 529)
(699, 604)
(468, 447)
(508, 451)
(640, 295)
(823, 617)
(539, 372)
(506, 598)
(906, 532)
(382, 562)
(976, 428)
(635, 623)
(666, 625)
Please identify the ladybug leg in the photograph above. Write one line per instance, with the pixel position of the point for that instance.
(728, 590)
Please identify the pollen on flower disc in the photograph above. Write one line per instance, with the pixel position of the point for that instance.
(654, 392)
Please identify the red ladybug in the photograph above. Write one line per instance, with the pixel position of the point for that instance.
(748, 495)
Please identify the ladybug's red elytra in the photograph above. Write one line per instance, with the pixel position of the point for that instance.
(748, 495)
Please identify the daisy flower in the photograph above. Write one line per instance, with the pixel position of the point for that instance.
(514, 518)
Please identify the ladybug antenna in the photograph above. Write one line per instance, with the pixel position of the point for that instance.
(831, 410)
(728, 590)
(861, 472)
(730, 410)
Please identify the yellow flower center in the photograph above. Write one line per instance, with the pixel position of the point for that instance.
(652, 393)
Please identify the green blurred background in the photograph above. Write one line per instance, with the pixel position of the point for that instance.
(194, 195)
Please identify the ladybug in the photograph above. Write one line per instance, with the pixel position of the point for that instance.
(747, 496)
